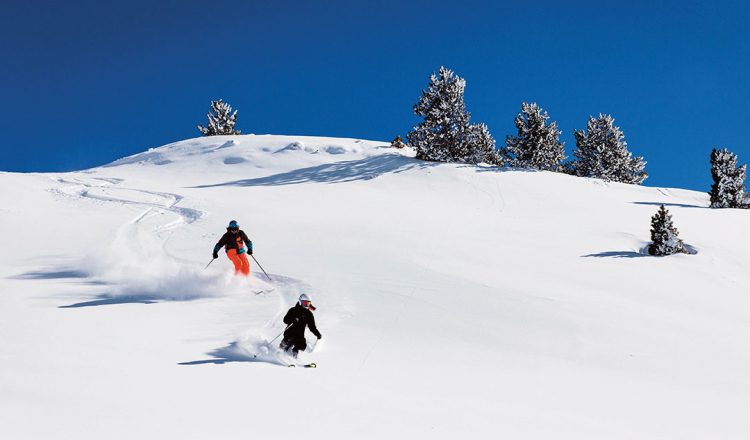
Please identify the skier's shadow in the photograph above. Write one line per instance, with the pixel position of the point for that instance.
(233, 353)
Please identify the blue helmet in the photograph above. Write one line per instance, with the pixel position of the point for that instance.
(233, 225)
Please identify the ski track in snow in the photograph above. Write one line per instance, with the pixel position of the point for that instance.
(88, 190)
(134, 237)
(106, 189)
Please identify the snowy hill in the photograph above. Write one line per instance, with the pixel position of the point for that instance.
(453, 300)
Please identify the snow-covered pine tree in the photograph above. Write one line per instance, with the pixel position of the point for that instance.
(222, 121)
(602, 152)
(537, 144)
(664, 239)
(481, 145)
(728, 189)
(440, 136)
(397, 143)
(445, 134)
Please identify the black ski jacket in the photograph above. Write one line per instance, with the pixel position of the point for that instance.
(234, 241)
(299, 317)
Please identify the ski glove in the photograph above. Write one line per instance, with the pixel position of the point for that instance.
(216, 255)
(320, 336)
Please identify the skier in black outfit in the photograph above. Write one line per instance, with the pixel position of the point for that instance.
(297, 318)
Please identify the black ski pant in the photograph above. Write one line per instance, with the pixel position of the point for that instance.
(293, 345)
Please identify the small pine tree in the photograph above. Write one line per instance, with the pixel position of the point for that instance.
(728, 189)
(537, 144)
(664, 239)
(482, 145)
(397, 143)
(221, 122)
(602, 152)
(445, 134)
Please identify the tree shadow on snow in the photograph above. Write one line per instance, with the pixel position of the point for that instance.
(499, 169)
(689, 250)
(56, 274)
(60, 273)
(347, 171)
(676, 205)
(73, 274)
(49, 275)
(106, 300)
(617, 254)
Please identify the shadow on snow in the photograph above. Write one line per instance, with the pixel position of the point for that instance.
(231, 353)
(49, 275)
(676, 205)
(56, 274)
(347, 171)
(617, 254)
(106, 300)
(100, 300)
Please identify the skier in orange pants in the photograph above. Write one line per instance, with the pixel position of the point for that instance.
(234, 241)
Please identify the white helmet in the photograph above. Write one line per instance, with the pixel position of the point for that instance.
(305, 301)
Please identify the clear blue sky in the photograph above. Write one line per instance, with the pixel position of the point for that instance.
(84, 83)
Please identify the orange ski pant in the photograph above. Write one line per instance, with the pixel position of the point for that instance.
(241, 265)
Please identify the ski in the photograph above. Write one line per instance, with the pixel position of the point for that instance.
(310, 365)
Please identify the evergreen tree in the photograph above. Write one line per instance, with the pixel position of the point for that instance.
(602, 152)
(397, 143)
(481, 145)
(445, 134)
(728, 189)
(222, 121)
(537, 144)
(664, 240)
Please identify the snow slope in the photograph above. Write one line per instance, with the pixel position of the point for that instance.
(454, 300)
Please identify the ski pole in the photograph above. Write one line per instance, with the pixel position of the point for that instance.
(261, 268)
(277, 337)
(209, 263)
